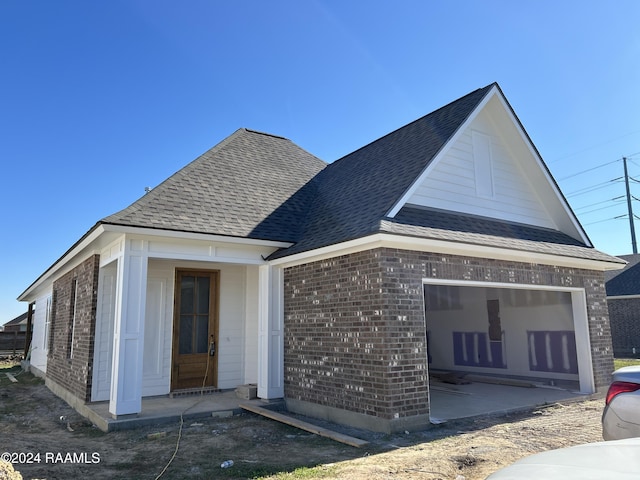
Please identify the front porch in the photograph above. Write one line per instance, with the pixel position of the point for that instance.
(153, 312)
(165, 409)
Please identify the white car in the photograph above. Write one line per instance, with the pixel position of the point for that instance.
(621, 416)
(619, 460)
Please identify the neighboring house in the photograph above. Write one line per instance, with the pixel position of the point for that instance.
(14, 335)
(623, 299)
(18, 324)
(444, 245)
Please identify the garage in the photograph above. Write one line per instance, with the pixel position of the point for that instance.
(495, 347)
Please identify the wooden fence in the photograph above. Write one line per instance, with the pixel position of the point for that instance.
(12, 343)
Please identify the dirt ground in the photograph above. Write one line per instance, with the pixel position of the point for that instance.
(49, 440)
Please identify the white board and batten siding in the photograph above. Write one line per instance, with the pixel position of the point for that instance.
(156, 357)
(479, 175)
(103, 343)
(41, 331)
(238, 332)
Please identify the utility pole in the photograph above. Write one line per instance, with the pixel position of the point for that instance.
(629, 207)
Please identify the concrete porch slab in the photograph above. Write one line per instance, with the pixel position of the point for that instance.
(163, 409)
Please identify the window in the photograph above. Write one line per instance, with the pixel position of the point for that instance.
(72, 316)
(47, 323)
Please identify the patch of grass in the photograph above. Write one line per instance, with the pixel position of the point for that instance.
(625, 362)
(24, 378)
(90, 431)
(8, 364)
(303, 473)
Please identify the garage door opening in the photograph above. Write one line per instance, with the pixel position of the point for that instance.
(495, 348)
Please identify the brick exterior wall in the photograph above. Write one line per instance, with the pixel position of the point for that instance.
(625, 327)
(345, 348)
(355, 326)
(70, 366)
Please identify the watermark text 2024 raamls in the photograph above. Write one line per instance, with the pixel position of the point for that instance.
(19, 458)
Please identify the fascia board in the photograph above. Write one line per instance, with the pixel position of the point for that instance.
(431, 165)
(83, 243)
(385, 240)
(94, 235)
(175, 234)
(545, 171)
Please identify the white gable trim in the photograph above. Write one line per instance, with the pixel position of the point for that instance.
(382, 240)
(545, 171)
(63, 263)
(425, 173)
(494, 92)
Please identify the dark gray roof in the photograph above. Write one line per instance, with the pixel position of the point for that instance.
(625, 281)
(468, 229)
(356, 192)
(251, 185)
(261, 186)
(16, 321)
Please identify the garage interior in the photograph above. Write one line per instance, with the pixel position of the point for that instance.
(499, 348)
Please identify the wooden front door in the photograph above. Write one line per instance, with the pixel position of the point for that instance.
(195, 329)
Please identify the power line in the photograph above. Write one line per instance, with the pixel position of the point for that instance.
(602, 221)
(601, 202)
(601, 205)
(588, 170)
(593, 188)
(598, 209)
(595, 146)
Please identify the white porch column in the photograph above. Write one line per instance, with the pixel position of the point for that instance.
(271, 333)
(128, 342)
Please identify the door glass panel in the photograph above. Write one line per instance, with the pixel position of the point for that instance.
(187, 294)
(202, 334)
(186, 334)
(203, 284)
(194, 314)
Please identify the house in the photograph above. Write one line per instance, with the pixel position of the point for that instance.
(18, 324)
(623, 299)
(14, 336)
(444, 245)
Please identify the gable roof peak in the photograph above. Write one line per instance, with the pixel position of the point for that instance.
(481, 92)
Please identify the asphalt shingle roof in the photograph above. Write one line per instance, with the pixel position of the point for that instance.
(459, 228)
(16, 321)
(261, 186)
(250, 185)
(625, 281)
(357, 191)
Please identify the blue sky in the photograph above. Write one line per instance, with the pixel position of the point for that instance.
(101, 99)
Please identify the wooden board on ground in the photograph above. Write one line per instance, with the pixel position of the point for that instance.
(512, 382)
(451, 377)
(11, 377)
(294, 422)
(448, 390)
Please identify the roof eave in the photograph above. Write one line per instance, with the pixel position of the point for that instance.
(102, 228)
(193, 235)
(404, 242)
(76, 248)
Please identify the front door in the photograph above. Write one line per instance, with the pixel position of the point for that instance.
(195, 329)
